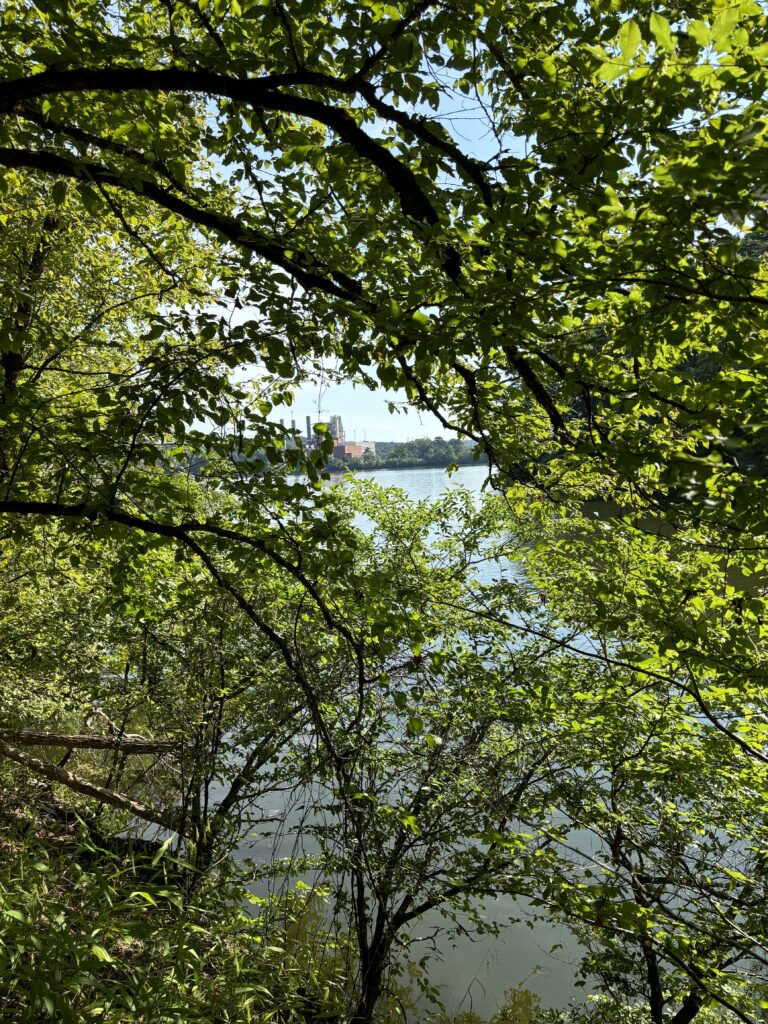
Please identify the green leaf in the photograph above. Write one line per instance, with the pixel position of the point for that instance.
(724, 25)
(415, 726)
(662, 31)
(17, 916)
(611, 70)
(90, 199)
(410, 823)
(630, 39)
(59, 192)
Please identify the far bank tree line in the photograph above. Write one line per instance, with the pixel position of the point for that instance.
(421, 452)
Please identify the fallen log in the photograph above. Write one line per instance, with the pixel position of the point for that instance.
(107, 796)
(127, 743)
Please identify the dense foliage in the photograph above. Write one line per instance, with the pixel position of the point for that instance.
(543, 222)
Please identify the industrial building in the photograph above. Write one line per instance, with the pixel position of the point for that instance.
(342, 449)
(353, 450)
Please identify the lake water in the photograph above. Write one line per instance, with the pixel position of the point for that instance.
(473, 975)
(427, 483)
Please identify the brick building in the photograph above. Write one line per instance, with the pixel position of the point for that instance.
(353, 450)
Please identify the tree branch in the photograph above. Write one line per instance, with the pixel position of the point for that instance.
(261, 93)
(338, 284)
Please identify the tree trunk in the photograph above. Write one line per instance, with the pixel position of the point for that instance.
(691, 1005)
(12, 359)
(372, 981)
(656, 1000)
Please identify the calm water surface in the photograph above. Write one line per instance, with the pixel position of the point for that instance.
(427, 483)
(473, 975)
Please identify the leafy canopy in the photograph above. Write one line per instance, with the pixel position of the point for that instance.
(544, 222)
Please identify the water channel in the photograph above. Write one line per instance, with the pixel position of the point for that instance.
(474, 974)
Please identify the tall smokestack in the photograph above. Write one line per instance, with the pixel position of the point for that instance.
(293, 424)
(309, 428)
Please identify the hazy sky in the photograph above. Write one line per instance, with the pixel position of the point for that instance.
(364, 413)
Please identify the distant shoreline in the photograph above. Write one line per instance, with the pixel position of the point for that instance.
(341, 470)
